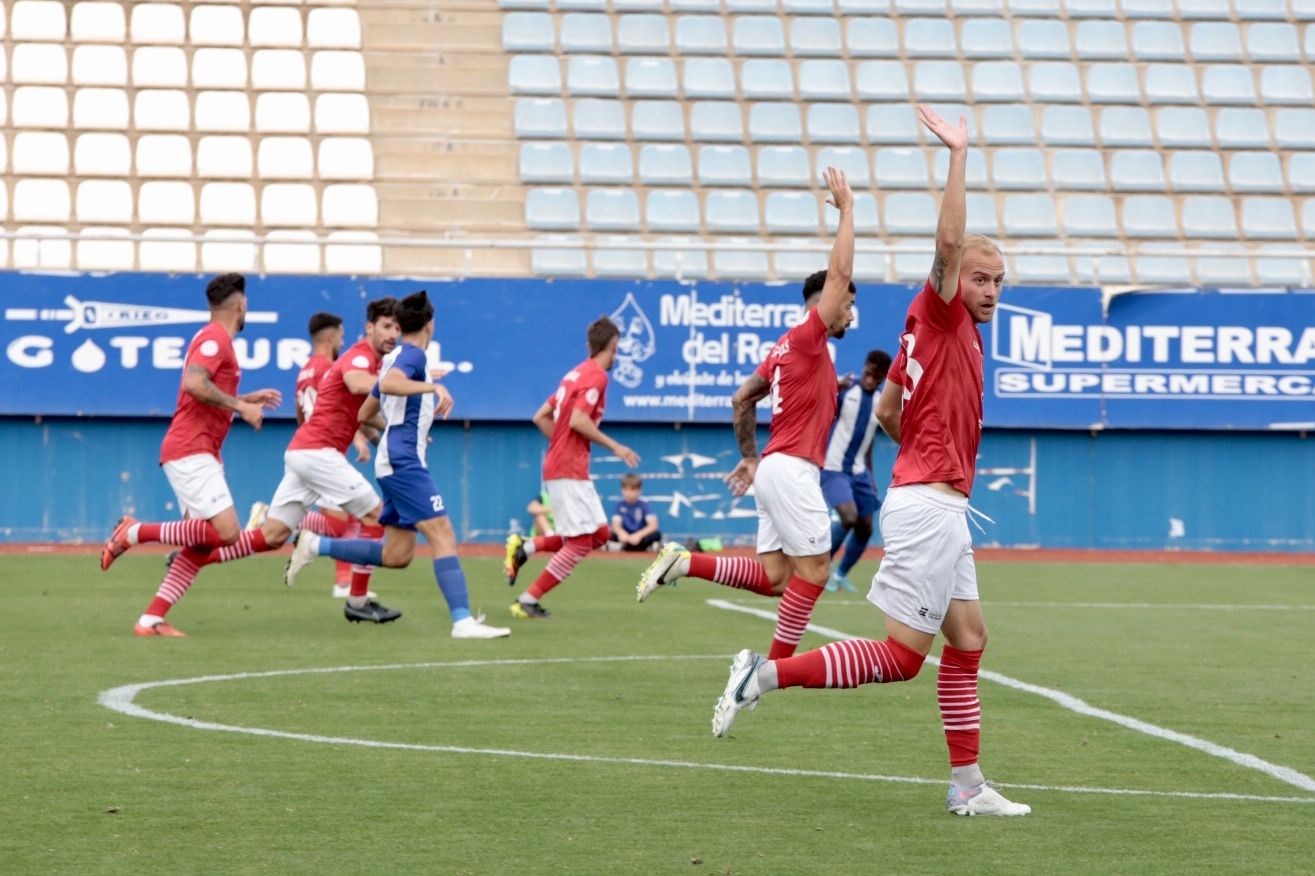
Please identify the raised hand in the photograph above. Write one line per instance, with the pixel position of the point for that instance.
(841, 196)
(954, 137)
(444, 404)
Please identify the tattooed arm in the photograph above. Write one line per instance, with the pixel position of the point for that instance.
(197, 384)
(745, 418)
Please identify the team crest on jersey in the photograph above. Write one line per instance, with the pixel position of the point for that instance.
(638, 342)
(781, 349)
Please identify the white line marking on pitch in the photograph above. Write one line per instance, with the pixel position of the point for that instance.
(122, 699)
(1072, 703)
(1202, 606)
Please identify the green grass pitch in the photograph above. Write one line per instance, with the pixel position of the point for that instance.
(1200, 650)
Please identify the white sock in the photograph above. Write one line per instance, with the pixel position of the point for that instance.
(765, 678)
(526, 599)
(132, 533)
(149, 620)
(527, 547)
(680, 568)
(966, 777)
(313, 545)
(357, 601)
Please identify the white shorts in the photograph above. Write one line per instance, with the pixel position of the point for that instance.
(320, 477)
(576, 508)
(792, 514)
(199, 484)
(928, 559)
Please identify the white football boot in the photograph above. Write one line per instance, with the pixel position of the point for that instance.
(303, 554)
(259, 514)
(740, 693)
(982, 800)
(475, 628)
(659, 572)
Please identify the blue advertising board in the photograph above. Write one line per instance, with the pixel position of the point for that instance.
(1054, 358)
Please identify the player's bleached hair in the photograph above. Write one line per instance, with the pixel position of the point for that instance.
(813, 286)
(379, 308)
(224, 287)
(414, 312)
(632, 480)
(321, 321)
(981, 243)
(879, 359)
(601, 332)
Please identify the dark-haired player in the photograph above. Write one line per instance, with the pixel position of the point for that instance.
(794, 528)
(403, 404)
(569, 420)
(189, 455)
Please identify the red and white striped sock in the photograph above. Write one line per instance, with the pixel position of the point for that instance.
(361, 574)
(792, 616)
(251, 541)
(549, 543)
(961, 711)
(572, 551)
(742, 573)
(182, 572)
(849, 664)
(322, 524)
(184, 533)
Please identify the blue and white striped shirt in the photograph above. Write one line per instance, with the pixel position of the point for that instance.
(852, 432)
(408, 417)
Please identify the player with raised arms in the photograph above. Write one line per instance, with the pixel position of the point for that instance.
(927, 581)
(189, 455)
(402, 404)
(794, 528)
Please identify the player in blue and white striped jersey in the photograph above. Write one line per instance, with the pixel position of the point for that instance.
(846, 474)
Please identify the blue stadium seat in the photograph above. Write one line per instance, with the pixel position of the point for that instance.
(1268, 219)
(892, 123)
(1041, 39)
(724, 166)
(1067, 126)
(1018, 169)
(871, 267)
(1255, 172)
(738, 7)
(611, 209)
(790, 213)
(540, 117)
(1237, 128)
(1137, 170)
(784, 167)
(1183, 126)
(1171, 83)
(1307, 217)
(1286, 84)
(1030, 216)
(901, 169)
(700, 35)
(599, 120)
(659, 120)
(643, 35)
(981, 214)
(1099, 268)
(522, 4)
(1170, 267)
(909, 8)
(709, 6)
(1090, 216)
(716, 121)
(534, 74)
(1209, 217)
(808, 7)
(1273, 269)
(939, 80)
(1078, 169)
(672, 210)
(975, 174)
(1158, 41)
(1215, 41)
(794, 263)
(1295, 128)
(1149, 216)
(913, 267)
(547, 163)
(872, 38)
(1054, 82)
(854, 162)
(586, 33)
(1041, 267)
(558, 262)
(1158, 9)
(528, 32)
(1125, 126)
(602, 163)
(1008, 125)
(1204, 9)
(1113, 83)
(1228, 84)
(739, 265)
(709, 77)
(651, 77)
(1224, 271)
(680, 263)
(665, 165)
(1273, 43)
(964, 8)
(910, 213)
(638, 6)
(997, 81)
(824, 80)
(986, 38)
(1301, 171)
(833, 123)
(592, 75)
(1091, 8)
(881, 80)
(1261, 10)
(552, 209)
(758, 35)
(775, 123)
(1196, 171)
(929, 38)
(1102, 40)
(815, 38)
(732, 211)
(581, 5)
(610, 262)
(767, 79)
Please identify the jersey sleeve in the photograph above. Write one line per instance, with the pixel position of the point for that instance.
(590, 394)
(356, 362)
(209, 353)
(896, 373)
(936, 313)
(810, 335)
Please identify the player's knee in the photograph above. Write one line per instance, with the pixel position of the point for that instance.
(228, 532)
(848, 515)
(397, 558)
(601, 535)
(863, 528)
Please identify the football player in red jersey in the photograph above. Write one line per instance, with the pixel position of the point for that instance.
(794, 524)
(189, 455)
(927, 581)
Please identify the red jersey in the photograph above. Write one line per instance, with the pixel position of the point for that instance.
(803, 380)
(940, 367)
(308, 383)
(333, 422)
(584, 388)
(198, 427)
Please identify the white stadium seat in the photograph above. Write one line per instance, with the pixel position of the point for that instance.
(219, 68)
(105, 108)
(100, 65)
(333, 29)
(223, 111)
(274, 27)
(157, 24)
(223, 157)
(163, 251)
(282, 113)
(98, 23)
(159, 67)
(163, 155)
(345, 158)
(38, 247)
(285, 158)
(38, 106)
(352, 254)
(37, 20)
(38, 64)
(290, 252)
(39, 153)
(227, 249)
(288, 205)
(166, 203)
(216, 26)
(163, 110)
(337, 71)
(350, 206)
(41, 200)
(279, 69)
(228, 203)
(342, 114)
(102, 155)
(104, 255)
(104, 200)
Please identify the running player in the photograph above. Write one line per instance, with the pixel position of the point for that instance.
(927, 580)
(190, 456)
(847, 472)
(794, 529)
(403, 403)
(569, 420)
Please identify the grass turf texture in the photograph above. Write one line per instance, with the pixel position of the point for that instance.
(90, 790)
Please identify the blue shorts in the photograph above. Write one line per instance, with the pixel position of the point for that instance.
(839, 488)
(410, 497)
